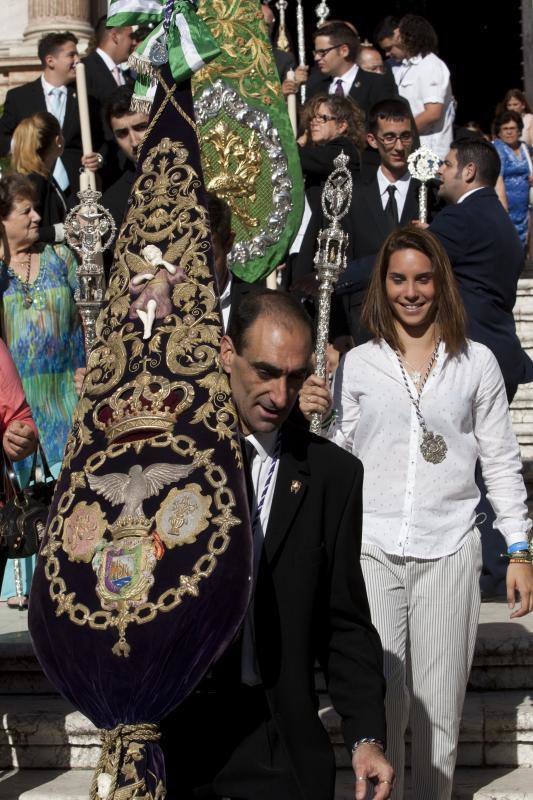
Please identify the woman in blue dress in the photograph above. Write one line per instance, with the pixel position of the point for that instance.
(516, 169)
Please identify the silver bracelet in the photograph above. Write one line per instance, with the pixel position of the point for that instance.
(368, 740)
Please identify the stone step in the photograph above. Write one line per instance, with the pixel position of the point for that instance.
(470, 784)
(45, 732)
(496, 730)
(503, 657)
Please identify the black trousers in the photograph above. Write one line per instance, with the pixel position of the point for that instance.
(224, 743)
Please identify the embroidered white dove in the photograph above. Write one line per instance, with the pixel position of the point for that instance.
(133, 488)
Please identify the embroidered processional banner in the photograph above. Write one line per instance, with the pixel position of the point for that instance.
(249, 153)
(145, 571)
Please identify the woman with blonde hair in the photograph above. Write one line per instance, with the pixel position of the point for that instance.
(36, 145)
(419, 405)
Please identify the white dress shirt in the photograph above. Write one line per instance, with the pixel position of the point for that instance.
(48, 90)
(412, 507)
(225, 302)
(114, 69)
(261, 462)
(402, 187)
(347, 80)
(426, 79)
(471, 191)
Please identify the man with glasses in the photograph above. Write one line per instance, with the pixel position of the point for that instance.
(385, 199)
(336, 49)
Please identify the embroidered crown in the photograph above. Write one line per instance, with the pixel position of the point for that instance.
(148, 405)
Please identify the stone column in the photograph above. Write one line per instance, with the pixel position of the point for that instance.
(51, 16)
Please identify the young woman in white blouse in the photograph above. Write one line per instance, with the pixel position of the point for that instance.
(419, 405)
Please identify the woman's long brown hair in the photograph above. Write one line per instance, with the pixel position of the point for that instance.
(450, 316)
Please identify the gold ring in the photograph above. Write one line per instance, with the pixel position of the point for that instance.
(360, 778)
(385, 781)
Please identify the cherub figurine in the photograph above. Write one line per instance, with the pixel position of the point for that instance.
(153, 289)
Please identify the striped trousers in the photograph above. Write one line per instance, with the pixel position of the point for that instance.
(426, 613)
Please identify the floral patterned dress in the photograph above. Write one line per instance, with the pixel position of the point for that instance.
(515, 173)
(46, 343)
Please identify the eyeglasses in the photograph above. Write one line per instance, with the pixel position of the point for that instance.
(325, 50)
(391, 138)
(324, 118)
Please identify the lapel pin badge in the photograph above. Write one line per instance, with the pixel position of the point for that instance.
(295, 487)
(357, 84)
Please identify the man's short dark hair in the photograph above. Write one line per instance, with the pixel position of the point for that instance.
(385, 29)
(339, 33)
(52, 42)
(278, 305)
(394, 109)
(418, 35)
(219, 216)
(483, 154)
(118, 104)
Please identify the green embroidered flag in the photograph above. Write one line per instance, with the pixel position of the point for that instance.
(179, 37)
(249, 153)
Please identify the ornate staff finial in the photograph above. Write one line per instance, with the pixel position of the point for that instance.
(423, 165)
(282, 41)
(322, 12)
(89, 230)
(330, 258)
(300, 27)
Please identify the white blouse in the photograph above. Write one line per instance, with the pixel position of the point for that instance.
(412, 507)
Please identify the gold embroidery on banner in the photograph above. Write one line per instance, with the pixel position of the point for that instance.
(83, 531)
(235, 167)
(247, 57)
(138, 612)
(183, 516)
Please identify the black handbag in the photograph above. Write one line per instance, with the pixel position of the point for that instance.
(25, 511)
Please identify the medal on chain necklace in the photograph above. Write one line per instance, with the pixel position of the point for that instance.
(433, 446)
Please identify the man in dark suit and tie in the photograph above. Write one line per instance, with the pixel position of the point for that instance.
(336, 48)
(104, 73)
(257, 713)
(53, 91)
(382, 200)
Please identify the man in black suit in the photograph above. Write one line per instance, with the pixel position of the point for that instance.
(103, 65)
(231, 289)
(485, 251)
(487, 258)
(252, 730)
(128, 129)
(382, 200)
(336, 48)
(104, 74)
(53, 91)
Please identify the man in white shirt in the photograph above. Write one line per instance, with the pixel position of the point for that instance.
(336, 49)
(424, 80)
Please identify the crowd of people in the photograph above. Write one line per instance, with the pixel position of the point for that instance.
(423, 349)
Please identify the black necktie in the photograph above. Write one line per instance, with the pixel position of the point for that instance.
(248, 452)
(391, 209)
